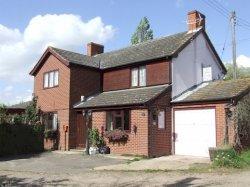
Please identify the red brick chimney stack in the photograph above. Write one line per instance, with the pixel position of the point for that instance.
(94, 48)
(196, 20)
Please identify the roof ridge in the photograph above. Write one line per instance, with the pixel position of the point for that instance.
(68, 51)
(143, 43)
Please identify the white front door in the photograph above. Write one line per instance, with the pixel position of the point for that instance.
(194, 131)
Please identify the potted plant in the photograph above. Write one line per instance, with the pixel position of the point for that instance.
(97, 142)
(116, 135)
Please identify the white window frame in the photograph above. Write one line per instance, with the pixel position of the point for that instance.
(46, 80)
(142, 76)
(139, 76)
(207, 74)
(51, 79)
(161, 119)
(134, 77)
(55, 122)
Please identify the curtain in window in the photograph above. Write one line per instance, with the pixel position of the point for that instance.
(54, 122)
(134, 77)
(142, 73)
(51, 79)
(56, 78)
(161, 120)
(46, 80)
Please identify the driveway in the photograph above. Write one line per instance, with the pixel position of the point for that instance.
(54, 162)
(173, 163)
(51, 169)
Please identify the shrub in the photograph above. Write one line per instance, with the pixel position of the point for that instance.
(228, 158)
(95, 139)
(20, 139)
(50, 134)
(116, 135)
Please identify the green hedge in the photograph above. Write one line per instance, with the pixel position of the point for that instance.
(20, 139)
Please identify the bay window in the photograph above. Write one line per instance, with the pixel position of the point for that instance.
(138, 76)
(51, 79)
(118, 119)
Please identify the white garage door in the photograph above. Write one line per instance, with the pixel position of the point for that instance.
(194, 131)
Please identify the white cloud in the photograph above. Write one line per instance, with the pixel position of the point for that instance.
(243, 61)
(19, 51)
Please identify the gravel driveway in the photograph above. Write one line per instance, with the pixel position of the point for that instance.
(51, 169)
(52, 162)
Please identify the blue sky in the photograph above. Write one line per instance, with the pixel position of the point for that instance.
(27, 27)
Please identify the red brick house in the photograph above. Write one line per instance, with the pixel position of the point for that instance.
(143, 89)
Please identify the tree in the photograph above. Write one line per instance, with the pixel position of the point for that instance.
(241, 72)
(3, 115)
(32, 112)
(143, 32)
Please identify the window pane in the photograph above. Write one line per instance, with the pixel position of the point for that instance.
(46, 80)
(54, 123)
(207, 73)
(142, 76)
(51, 79)
(118, 122)
(134, 77)
(161, 120)
(56, 78)
(126, 119)
(109, 125)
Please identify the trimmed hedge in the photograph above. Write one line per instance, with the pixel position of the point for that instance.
(21, 139)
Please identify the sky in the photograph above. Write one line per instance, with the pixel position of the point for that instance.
(27, 27)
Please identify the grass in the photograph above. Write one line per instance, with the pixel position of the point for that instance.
(138, 158)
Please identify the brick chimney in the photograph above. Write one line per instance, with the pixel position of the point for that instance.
(196, 20)
(94, 48)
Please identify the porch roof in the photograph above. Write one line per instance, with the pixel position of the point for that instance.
(127, 97)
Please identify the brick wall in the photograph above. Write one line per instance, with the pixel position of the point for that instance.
(220, 120)
(54, 99)
(158, 72)
(138, 142)
(83, 82)
(160, 139)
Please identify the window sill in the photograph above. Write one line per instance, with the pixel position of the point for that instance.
(46, 88)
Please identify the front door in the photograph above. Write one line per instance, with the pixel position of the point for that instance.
(80, 131)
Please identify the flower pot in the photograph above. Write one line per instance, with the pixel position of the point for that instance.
(93, 150)
(104, 150)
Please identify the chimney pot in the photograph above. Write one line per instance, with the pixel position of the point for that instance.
(196, 20)
(94, 48)
(82, 98)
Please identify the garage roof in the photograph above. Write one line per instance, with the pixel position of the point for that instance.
(217, 90)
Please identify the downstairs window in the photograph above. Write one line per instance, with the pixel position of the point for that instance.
(118, 119)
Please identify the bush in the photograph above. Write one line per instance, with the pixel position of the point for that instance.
(116, 135)
(50, 134)
(95, 139)
(228, 158)
(20, 139)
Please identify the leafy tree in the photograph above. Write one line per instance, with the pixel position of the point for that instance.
(143, 32)
(241, 72)
(3, 115)
(32, 112)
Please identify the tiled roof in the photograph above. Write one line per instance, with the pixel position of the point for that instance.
(153, 49)
(218, 90)
(22, 105)
(76, 58)
(135, 96)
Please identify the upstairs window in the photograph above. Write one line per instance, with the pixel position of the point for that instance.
(207, 73)
(138, 76)
(50, 79)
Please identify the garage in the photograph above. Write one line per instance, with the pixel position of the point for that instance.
(194, 131)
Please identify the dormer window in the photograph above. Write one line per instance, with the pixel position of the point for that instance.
(207, 74)
(51, 79)
(138, 76)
